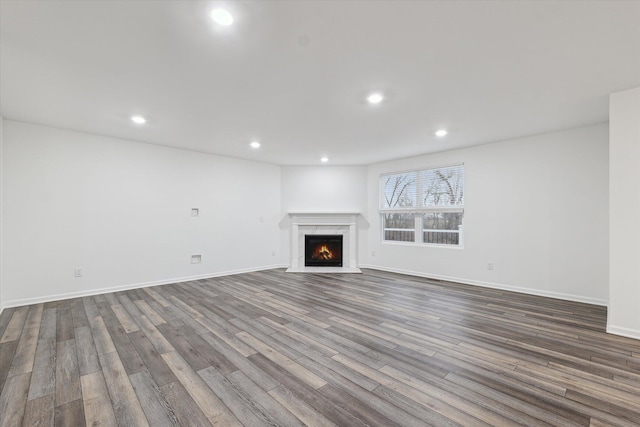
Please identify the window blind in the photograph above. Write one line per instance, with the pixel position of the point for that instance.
(428, 190)
(399, 191)
(443, 188)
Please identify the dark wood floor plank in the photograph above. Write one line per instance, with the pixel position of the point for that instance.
(64, 321)
(156, 296)
(126, 405)
(126, 321)
(5, 318)
(228, 336)
(86, 351)
(13, 399)
(128, 305)
(300, 339)
(7, 351)
(127, 352)
(90, 309)
(209, 353)
(154, 336)
(311, 396)
(536, 415)
(273, 348)
(34, 317)
(69, 414)
(98, 409)
(101, 338)
(337, 342)
(379, 411)
(183, 347)
(330, 365)
(78, 314)
(185, 408)
(40, 411)
(239, 360)
(283, 361)
(154, 363)
(43, 378)
(250, 404)
(48, 324)
(420, 395)
(67, 373)
(25, 352)
(148, 311)
(265, 338)
(155, 406)
(301, 409)
(15, 326)
(253, 392)
(212, 407)
(425, 413)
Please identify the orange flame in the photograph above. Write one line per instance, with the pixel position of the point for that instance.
(322, 252)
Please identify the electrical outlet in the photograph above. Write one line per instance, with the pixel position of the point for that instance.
(195, 212)
(373, 253)
(489, 266)
(273, 253)
(196, 259)
(77, 272)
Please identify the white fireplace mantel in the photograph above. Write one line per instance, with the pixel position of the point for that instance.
(340, 223)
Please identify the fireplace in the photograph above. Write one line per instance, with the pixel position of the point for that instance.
(322, 250)
(324, 224)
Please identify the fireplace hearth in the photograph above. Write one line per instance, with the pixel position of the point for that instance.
(323, 250)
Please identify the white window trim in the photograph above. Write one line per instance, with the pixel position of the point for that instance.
(418, 212)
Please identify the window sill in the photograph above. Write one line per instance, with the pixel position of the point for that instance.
(422, 245)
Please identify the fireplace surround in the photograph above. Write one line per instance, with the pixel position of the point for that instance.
(323, 224)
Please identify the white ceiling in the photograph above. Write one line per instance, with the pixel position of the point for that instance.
(294, 74)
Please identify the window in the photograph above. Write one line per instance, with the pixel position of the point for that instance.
(400, 227)
(424, 206)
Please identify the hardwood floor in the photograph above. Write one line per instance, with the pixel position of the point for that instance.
(276, 349)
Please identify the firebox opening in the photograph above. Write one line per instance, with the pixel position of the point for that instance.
(323, 250)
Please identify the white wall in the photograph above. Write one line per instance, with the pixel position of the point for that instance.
(324, 189)
(536, 207)
(120, 210)
(624, 214)
(1, 213)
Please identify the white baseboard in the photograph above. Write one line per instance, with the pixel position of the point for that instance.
(69, 295)
(529, 291)
(624, 332)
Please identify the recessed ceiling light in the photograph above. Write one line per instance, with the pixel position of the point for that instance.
(222, 17)
(138, 120)
(441, 133)
(324, 159)
(254, 144)
(375, 98)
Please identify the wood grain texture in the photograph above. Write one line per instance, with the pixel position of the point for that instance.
(13, 400)
(98, 410)
(43, 378)
(126, 405)
(211, 406)
(67, 387)
(40, 411)
(14, 327)
(276, 349)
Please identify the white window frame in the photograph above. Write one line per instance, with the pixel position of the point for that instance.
(419, 209)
